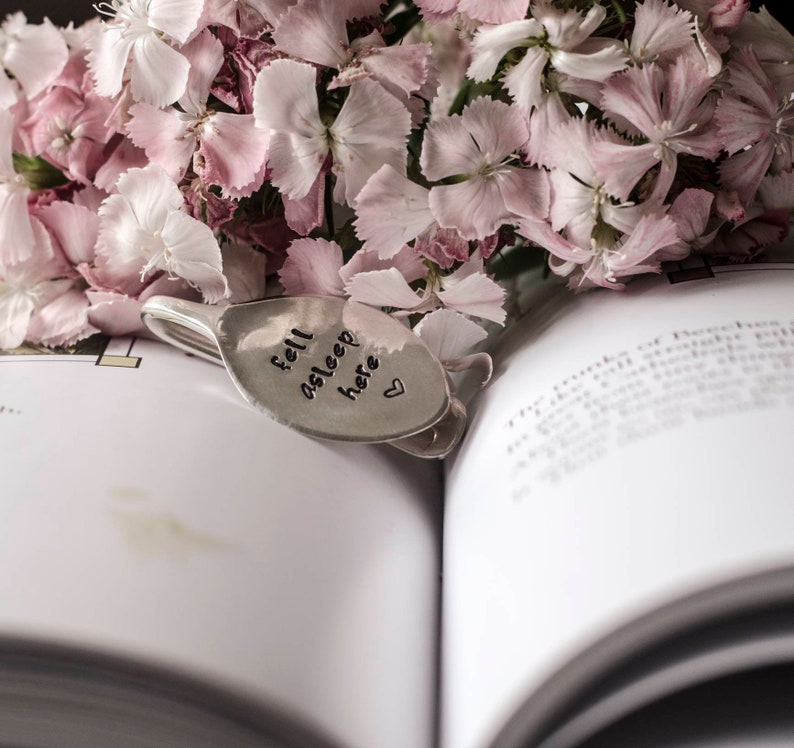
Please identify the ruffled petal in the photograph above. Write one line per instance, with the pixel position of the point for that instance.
(391, 210)
(312, 268)
(622, 166)
(448, 149)
(15, 224)
(525, 191)
(449, 334)
(405, 66)
(193, 254)
(285, 98)
(383, 288)
(295, 162)
(205, 56)
(475, 208)
(408, 262)
(165, 136)
(314, 30)
(36, 55)
(16, 308)
(63, 321)
(151, 195)
(177, 18)
(659, 29)
(497, 128)
(477, 295)
(109, 51)
(494, 11)
(597, 65)
(572, 201)
(524, 80)
(233, 149)
(370, 131)
(158, 73)
(307, 213)
(75, 228)
(492, 43)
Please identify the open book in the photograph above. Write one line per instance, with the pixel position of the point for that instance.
(617, 543)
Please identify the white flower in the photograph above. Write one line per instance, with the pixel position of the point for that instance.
(33, 54)
(138, 33)
(143, 229)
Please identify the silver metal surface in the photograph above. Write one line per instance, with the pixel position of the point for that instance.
(327, 367)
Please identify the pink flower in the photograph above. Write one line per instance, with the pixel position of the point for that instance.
(245, 17)
(667, 107)
(579, 201)
(226, 148)
(468, 291)
(28, 287)
(756, 126)
(691, 211)
(315, 267)
(559, 37)
(478, 149)
(316, 31)
(69, 129)
(606, 259)
(391, 211)
(771, 42)
(369, 131)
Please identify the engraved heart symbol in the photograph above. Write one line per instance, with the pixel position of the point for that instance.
(397, 388)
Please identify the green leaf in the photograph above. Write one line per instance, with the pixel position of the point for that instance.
(38, 173)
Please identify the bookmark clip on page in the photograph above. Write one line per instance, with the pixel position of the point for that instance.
(327, 367)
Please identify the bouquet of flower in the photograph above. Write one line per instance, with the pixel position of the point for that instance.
(387, 152)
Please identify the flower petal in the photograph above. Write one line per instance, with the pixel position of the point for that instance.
(75, 227)
(285, 98)
(391, 210)
(205, 56)
(477, 295)
(371, 130)
(177, 18)
(195, 255)
(164, 135)
(63, 321)
(36, 55)
(492, 43)
(383, 288)
(15, 310)
(158, 73)
(314, 30)
(107, 58)
(233, 149)
(449, 334)
(525, 80)
(312, 268)
(475, 208)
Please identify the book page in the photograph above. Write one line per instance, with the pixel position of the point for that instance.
(149, 513)
(633, 448)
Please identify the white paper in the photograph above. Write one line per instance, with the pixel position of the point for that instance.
(566, 517)
(149, 512)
